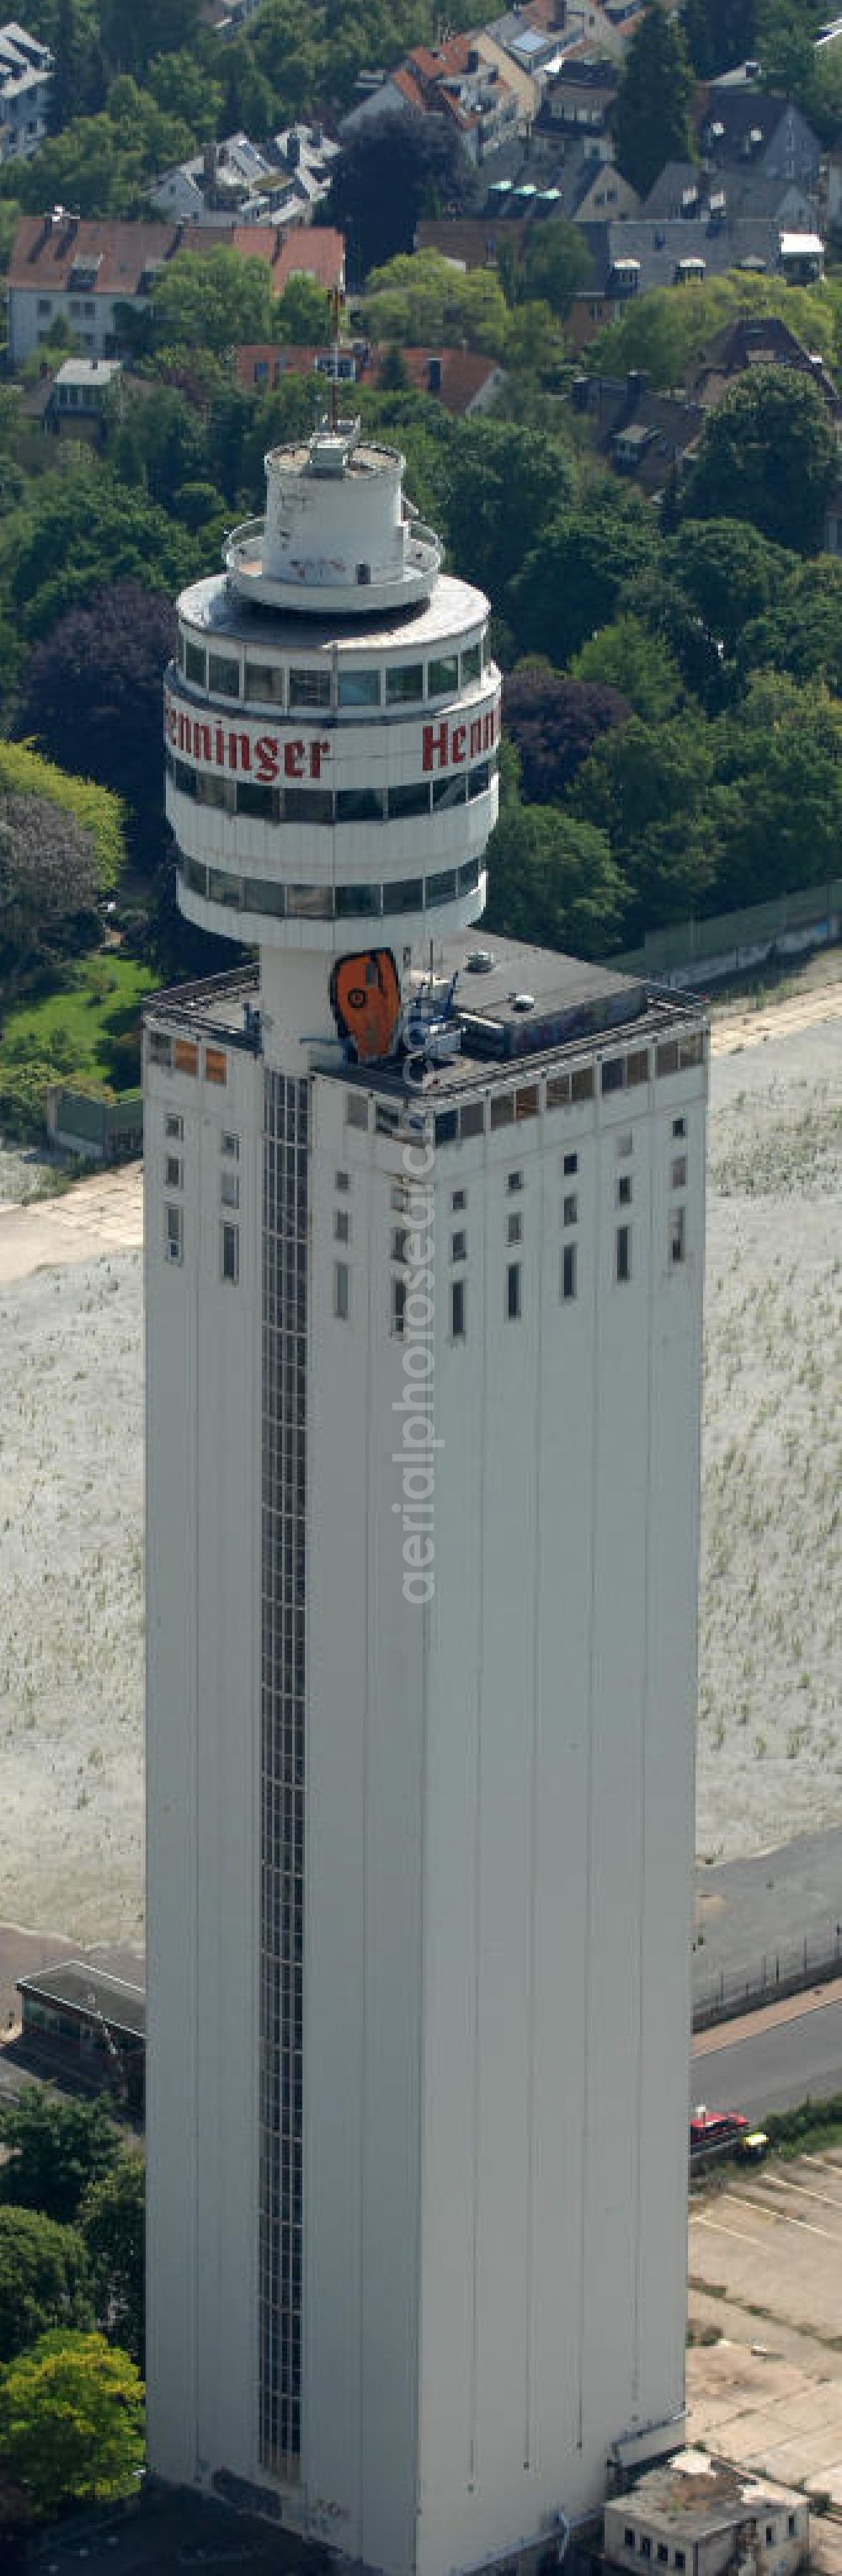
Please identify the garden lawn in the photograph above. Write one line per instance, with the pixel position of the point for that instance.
(77, 1029)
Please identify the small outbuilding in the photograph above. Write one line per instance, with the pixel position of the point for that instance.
(90, 2021)
(699, 2516)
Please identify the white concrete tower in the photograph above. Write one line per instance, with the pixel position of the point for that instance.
(424, 1266)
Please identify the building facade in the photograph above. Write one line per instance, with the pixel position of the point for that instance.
(424, 1262)
(26, 71)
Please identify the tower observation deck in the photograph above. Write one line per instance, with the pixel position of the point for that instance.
(332, 718)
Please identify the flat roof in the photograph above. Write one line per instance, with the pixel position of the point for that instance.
(571, 1002)
(453, 605)
(90, 1992)
(695, 2495)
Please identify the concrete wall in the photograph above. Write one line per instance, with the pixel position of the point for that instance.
(500, 1802)
(203, 1468)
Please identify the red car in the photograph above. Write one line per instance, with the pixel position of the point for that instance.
(716, 2128)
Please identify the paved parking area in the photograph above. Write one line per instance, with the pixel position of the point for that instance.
(765, 2262)
(166, 2533)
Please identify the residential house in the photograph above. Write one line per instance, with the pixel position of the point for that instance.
(461, 379)
(543, 35)
(581, 185)
(234, 182)
(81, 271)
(469, 80)
(686, 190)
(640, 434)
(580, 99)
(760, 340)
(631, 257)
(704, 2517)
(650, 436)
(26, 69)
(741, 127)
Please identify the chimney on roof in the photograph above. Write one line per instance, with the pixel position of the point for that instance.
(474, 59)
(293, 151)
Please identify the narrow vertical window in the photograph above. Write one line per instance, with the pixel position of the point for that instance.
(230, 1254)
(677, 1236)
(513, 1291)
(398, 1305)
(623, 1268)
(174, 1235)
(568, 1273)
(341, 1291)
(457, 1310)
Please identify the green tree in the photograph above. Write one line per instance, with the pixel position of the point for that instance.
(651, 116)
(534, 344)
(53, 547)
(103, 164)
(112, 2223)
(55, 2150)
(800, 630)
(627, 657)
(44, 2279)
(71, 2421)
(303, 314)
(187, 85)
(728, 572)
(422, 299)
(212, 300)
(130, 36)
(64, 87)
(719, 33)
(556, 262)
(669, 334)
(393, 170)
(648, 788)
(572, 576)
(769, 454)
(159, 443)
(552, 878)
(48, 894)
(779, 774)
(488, 461)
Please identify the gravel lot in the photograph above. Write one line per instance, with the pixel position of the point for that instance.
(770, 1740)
(71, 1607)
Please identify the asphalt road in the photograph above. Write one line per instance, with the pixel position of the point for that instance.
(765, 2066)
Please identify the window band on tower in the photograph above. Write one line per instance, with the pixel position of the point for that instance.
(283, 1572)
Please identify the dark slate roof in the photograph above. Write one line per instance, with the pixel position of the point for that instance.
(749, 191)
(659, 247)
(742, 111)
(90, 1992)
(657, 429)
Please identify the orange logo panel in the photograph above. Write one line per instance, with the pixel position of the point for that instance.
(365, 997)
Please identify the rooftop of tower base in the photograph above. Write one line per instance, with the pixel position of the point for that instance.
(490, 1004)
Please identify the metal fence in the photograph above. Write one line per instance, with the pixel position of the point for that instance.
(779, 1972)
(732, 940)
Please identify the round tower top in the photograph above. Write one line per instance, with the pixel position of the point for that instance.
(338, 534)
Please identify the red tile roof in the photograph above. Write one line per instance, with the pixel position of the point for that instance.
(462, 372)
(409, 88)
(46, 249)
